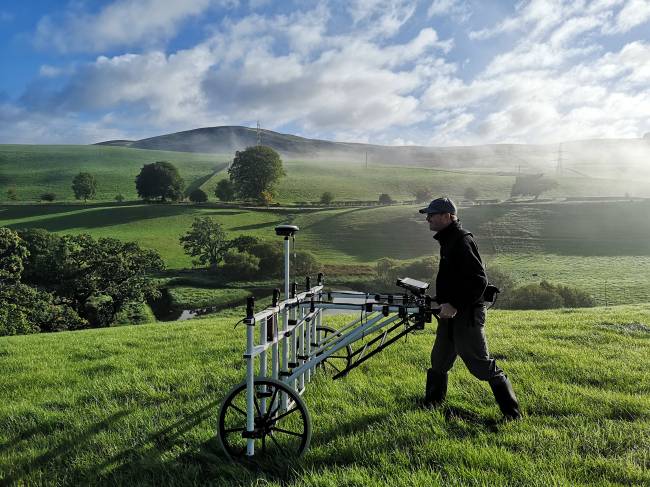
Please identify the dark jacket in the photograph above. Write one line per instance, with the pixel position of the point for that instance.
(461, 278)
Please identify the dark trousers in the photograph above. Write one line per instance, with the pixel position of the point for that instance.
(464, 335)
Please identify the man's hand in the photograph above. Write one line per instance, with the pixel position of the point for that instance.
(447, 310)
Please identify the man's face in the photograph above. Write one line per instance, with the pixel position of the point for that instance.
(438, 221)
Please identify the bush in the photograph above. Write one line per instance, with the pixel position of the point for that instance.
(534, 296)
(225, 190)
(305, 263)
(243, 243)
(198, 196)
(240, 265)
(546, 295)
(119, 198)
(326, 198)
(48, 197)
(388, 270)
(423, 195)
(271, 258)
(385, 199)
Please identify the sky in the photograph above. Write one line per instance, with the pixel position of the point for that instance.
(394, 72)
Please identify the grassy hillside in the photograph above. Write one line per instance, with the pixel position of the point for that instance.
(138, 406)
(35, 169)
(599, 247)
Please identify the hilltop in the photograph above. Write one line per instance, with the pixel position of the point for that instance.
(625, 153)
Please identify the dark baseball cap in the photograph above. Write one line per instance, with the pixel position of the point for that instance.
(440, 205)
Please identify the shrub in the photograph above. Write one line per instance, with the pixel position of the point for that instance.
(271, 258)
(119, 198)
(240, 265)
(534, 296)
(326, 198)
(423, 195)
(546, 295)
(198, 196)
(305, 263)
(48, 197)
(225, 190)
(243, 243)
(385, 199)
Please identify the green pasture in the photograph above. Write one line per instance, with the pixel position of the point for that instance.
(154, 226)
(36, 169)
(599, 247)
(138, 406)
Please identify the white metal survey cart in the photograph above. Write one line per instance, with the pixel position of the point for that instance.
(289, 343)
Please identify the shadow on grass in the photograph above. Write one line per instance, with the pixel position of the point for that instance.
(152, 460)
(71, 442)
(76, 217)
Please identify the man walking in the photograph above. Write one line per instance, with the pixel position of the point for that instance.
(460, 285)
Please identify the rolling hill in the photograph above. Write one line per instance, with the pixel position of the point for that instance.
(609, 156)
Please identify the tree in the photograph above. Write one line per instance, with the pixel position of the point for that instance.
(13, 253)
(45, 252)
(470, 194)
(48, 197)
(206, 241)
(159, 180)
(105, 271)
(423, 195)
(533, 185)
(119, 197)
(225, 190)
(12, 195)
(84, 185)
(385, 199)
(255, 170)
(266, 197)
(243, 243)
(326, 198)
(198, 196)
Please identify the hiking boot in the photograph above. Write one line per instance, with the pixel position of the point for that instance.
(505, 397)
(435, 389)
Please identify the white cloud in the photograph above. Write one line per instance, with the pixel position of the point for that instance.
(457, 9)
(383, 18)
(633, 14)
(118, 24)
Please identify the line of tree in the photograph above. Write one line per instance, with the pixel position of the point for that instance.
(52, 283)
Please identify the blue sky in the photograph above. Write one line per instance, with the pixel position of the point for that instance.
(434, 72)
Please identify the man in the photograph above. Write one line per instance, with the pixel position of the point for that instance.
(460, 285)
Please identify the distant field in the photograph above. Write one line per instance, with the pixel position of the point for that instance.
(600, 247)
(138, 405)
(36, 169)
(152, 226)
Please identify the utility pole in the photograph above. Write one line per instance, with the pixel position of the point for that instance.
(366, 159)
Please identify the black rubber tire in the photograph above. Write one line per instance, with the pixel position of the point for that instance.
(286, 443)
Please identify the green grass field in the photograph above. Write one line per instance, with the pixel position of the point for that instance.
(138, 406)
(35, 169)
(599, 247)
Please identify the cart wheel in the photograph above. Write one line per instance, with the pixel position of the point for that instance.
(341, 359)
(279, 434)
